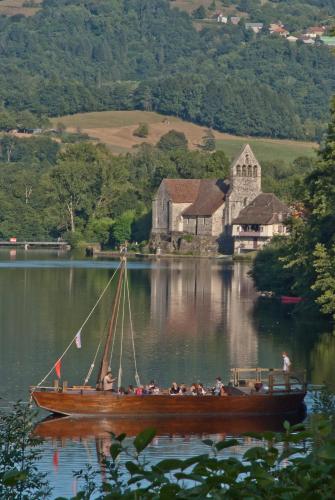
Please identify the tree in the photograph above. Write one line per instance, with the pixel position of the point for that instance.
(208, 141)
(199, 13)
(121, 231)
(142, 130)
(99, 230)
(19, 453)
(172, 140)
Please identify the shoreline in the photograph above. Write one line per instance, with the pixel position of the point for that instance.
(151, 256)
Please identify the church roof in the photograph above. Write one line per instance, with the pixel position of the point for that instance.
(205, 195)
(211, 196)
(266, 208)
(182, 190)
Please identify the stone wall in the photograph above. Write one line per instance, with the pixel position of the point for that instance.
(185, 243)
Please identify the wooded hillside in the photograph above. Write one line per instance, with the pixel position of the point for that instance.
(90, 55)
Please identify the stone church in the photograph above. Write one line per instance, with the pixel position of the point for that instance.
(209, 215)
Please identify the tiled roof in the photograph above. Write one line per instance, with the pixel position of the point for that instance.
(182, 190)
(266, 208)
(210, 197)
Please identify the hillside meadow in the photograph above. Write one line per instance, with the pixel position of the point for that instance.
(116, 128)
(16, 7)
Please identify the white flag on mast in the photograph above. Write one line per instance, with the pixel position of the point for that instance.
(78, 340)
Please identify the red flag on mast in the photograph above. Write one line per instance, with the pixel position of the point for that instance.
(58, 367)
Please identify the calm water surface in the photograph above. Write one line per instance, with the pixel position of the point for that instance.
(194, 319)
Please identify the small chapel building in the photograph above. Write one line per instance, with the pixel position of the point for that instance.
(211, 215)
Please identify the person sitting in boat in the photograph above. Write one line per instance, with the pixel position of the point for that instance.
(122, 390)
(146, 390)
(108, 381)
(201, 390)
(153, 388)
(193, 390)
(223, 391)
(130, 389)
(139, 390)
(183, 389)
(218, 386)
(174, 389)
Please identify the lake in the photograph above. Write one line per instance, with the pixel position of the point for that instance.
(193, 319)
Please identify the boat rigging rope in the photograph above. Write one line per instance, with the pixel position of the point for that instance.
(115, 328)
(88, 376)
(82, 326)
(137, 377)
(89, 373)
(119, 382)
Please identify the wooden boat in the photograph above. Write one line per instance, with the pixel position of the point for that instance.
(283, 394)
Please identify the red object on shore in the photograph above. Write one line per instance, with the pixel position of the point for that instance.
(286, 299)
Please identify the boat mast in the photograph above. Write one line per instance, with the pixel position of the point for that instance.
(108, 343)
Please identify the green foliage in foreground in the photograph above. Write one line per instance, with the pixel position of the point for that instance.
(19, 454)
(296, 463)
(304, 263)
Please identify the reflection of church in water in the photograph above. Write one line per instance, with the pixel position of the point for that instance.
(200, 297)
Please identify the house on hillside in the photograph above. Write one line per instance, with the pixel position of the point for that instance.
(255, 27)
(235, 20)
(221, 18)
(315, 31)
(199, 215)
(278, 30)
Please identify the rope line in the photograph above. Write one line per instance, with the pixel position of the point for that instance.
(82, 326)
(89, 373)
(122, 330)
(137, 377)
(115, 330)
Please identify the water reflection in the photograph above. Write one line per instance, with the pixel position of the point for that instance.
(194, 319)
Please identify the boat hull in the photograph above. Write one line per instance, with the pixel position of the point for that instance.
(105, 403)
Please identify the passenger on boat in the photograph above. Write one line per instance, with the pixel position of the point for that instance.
(122, 390)
(130, 389)
(201, 390)
(183, 389)
(218, 386)
(223, 391)
(139, 390)
(193, 390)
(174, 389)
(108, 381)
(287, 362)
(153, 388)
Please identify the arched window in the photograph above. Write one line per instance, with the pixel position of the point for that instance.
(249, 171)
(244, 171)
(245, 202)
(255, 170)
(238, 170)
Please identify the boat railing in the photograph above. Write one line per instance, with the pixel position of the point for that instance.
(275, 379)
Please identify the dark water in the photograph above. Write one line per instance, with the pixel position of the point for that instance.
(194, 319)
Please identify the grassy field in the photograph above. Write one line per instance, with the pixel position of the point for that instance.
(115, 128)
(14, 7)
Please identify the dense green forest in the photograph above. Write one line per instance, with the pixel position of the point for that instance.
(85, 55)
(304, 263)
